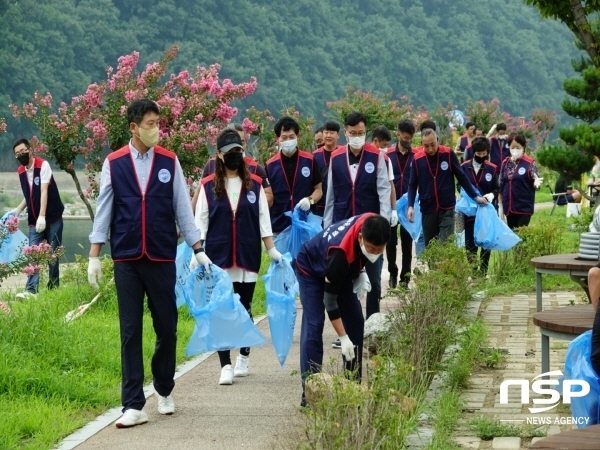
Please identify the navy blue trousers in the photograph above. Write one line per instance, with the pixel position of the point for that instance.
(156, 280)
(313, 320)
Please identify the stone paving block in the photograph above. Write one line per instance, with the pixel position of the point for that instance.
(536, 439)
(506, 443)
(467, 441)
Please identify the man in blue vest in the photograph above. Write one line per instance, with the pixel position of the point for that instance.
(322, 156)
(358, 183)
(293, 174)
(465, 140)
(44, 209)
(330, 273)
(143, 200)
(499, 145)
(401, 157)
(433, 172)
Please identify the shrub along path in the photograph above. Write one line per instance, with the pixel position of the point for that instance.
(510, 321)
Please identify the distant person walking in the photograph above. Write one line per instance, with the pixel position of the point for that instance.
(143, 201)
(322, 156)
(44, 210)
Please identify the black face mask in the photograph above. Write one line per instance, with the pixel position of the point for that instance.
(233, 160)
(480, 159)
(405, 144)
(23, 159)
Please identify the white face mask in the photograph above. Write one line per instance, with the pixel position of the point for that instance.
(383, 149)
(370, 256)
(502, 136)
(516, 153)
(356, 142)
(288, 147)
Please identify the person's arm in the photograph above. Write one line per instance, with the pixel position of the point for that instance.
(261, 172)
(392, 187)
(43, 199)
(264, 219)
(335, 274)
(328, 214)
(197, 191)
(463, 180)
(383, 187)
(19, 209)
(317, 182)
(413, 183)
(104, 211)
(492, 131)
(182, 208)
(201, 215)
(496, 185)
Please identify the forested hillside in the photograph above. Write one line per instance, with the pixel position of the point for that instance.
(303, 53)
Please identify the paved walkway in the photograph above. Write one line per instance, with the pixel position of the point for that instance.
(511, 327)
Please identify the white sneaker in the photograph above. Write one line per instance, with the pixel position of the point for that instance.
(24, 295)
(226, 375)
(241, 366)
(166, 405)
(131, 418)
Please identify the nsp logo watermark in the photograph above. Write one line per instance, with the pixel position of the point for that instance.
(537, 386)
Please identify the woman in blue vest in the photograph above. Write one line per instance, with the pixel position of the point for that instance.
(484, 176)
(233, 216)
(330, 272)
(518, 182)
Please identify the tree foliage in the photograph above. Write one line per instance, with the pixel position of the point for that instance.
(303, 53)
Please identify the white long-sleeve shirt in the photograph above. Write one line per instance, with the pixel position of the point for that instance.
(233, 187)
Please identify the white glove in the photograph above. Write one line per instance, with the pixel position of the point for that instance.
(275, 256)
(40, 225)
(361, 285)
(489, 197)
(347, 347)
(94, 271)
(304, 204)
(394, 218)
(200, 259)
(493, 128)
(537, 182)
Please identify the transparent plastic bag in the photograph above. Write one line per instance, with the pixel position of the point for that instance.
(182, 270)
(222, 322)
(11, 247)
(281, 287)
(304, 226)
(491, 232)
(466, 205)
(413, 228)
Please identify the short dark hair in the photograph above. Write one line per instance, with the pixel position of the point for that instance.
(139, 108)
(480, 144)
(406, 126)
(332, 125)
(354, 118)
(286, 123)
(520, 139)
(470, 124)
(21, 141)
(376, 230)
(319, 130)
(501, 126)
(428, 124)
(382, 133)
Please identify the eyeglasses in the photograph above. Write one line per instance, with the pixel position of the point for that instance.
(356, 133)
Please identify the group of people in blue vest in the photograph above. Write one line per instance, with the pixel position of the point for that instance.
(239, 207)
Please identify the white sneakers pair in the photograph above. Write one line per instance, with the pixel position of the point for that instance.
(133, 417)
(241, 370)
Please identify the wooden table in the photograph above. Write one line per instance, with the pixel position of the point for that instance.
(562, 323)
(587, 438)
(568, 264)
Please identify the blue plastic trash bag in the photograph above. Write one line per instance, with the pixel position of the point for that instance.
(490, 232)
(182, 270)
(281, 287)
(304, 226)
(222, 322)
(578, 366)
(466, 204)
(413, 228)
(11, 247)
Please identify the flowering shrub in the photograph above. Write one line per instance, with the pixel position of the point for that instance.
(261, 123)
(379, 110)
(2, 125)
(31, 258)
(193, 109)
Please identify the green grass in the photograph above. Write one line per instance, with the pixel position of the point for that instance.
(488, 428)
(56, 376)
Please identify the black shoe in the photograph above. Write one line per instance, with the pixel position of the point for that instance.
(336, 344)
(393, 281)
(303, 403)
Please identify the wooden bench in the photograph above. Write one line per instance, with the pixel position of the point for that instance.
(562, 323)
(587, 438)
